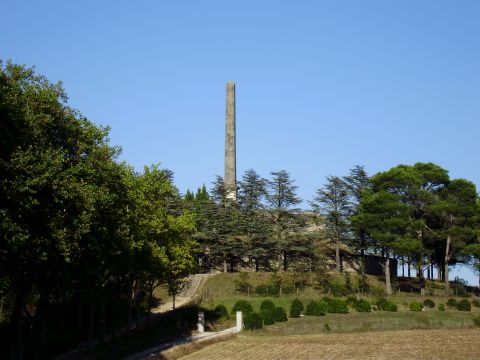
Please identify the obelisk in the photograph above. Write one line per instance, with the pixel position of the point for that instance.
(230, 179)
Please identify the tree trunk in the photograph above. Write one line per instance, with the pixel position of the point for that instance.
(80, 317)
(285, 261)
(129, 314)
(256, 264)
(409, 263)
(173, 300)
(447, 259)
(388, 284)
(403, 266)
(150, 301)
(225, 269)
(362, 251)
(40, 326)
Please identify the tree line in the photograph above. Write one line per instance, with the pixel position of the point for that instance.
(84, 239)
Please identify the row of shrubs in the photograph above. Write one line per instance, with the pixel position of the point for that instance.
(462, 305)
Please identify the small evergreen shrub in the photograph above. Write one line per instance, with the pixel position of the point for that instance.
(363, 283)
(316, 308)
(476, 303)
(464, 305)
(296, 308)
(452, 302)
(280, 314)
(441, 307)
(340, 306)
(267, 305)
(242, 285)
(221, 312)
(253, 321)
(429, 303)
(268, 316)
(244, 306)
(362, 306)
(385, 305)
(416, 306)
(476, 320)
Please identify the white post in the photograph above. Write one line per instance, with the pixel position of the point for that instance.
(201, 322)
(239, 321)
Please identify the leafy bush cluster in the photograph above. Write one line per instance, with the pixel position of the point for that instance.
(221, 312)
(476, 303)
(441, 307)
(316, 308)
(336, 305)
(362, 306)
(244, 306)
(253, 321)
(385, 305)
(452, 302)
(267, 309)
(280, 314)
(464, 305)
(429, 303)
(416, 306)
(296, 308)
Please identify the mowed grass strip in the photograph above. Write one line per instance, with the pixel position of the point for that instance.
(404, 344)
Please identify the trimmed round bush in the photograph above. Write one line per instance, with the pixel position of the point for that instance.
(351, 300)
(452, 302)
(267, 305)
(386, 305)
(464, 305)
(244, 306)
(296, 308)
(268, 317)
(253, 321)
(416, 306)
(362, 306)
(280, 314)
(221, 312)
(315, 308)
(339, 306)
(429, 303)
(476, 303)
(441, 307)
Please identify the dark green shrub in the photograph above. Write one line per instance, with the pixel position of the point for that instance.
(337, 288)
(476, 303)
(268, 316)
(416, 306)
(476, 320)
(452, 302)
(296, 308)
(441, 307)
(464, 305)
(363, 283)
(221, 312)
(253, 321)
(316, 308)
(429, 303)
(280, 314)
(244, 306)
(267, 305)
(362, 306)
(385, 305)
(340, 306)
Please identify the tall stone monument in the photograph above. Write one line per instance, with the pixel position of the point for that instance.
(230, 178)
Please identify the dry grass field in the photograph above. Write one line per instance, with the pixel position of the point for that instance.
(392, 345)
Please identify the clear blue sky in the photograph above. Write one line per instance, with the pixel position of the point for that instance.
(321, 85)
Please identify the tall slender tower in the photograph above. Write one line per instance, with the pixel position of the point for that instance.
(230, 179)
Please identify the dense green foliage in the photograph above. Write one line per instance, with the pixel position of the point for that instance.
(464, 305)
(385, 305)
(429, 303)
(362, 305)
(336, 305)
(416, 306)
(316, 308)
(280, 314)
(242, 305)
(221, 312)
(441, 307)
(253, 321)
(79, 231)
(452, 302)
(267, 305)
(296, 308)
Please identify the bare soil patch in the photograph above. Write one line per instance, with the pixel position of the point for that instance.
(406, 344)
